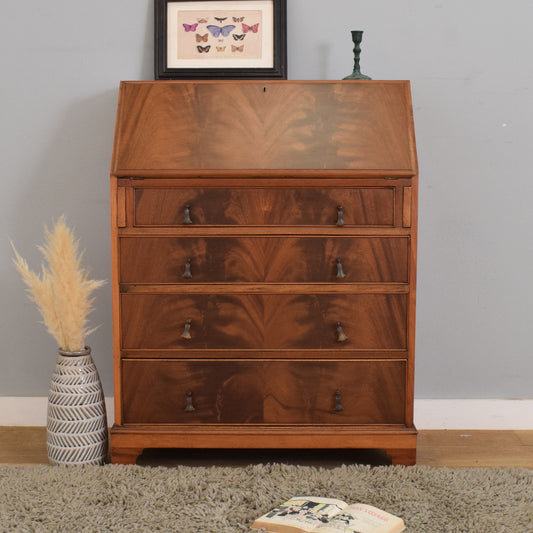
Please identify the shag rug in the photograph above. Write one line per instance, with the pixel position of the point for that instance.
(228, 499)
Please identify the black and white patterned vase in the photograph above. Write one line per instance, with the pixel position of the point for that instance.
(76, 424)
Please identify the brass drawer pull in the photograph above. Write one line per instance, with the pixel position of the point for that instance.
(189, 406)
(340, 271)
(341, 336)
(187, 272)
(340, 216)
(187, 215)
(338, 404)
(187, 330)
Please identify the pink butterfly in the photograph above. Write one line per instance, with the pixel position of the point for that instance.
(253, 29)
(190, 27)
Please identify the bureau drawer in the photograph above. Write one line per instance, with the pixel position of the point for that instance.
(263, 259)
(361, 206)
(264, 321)
(270, 392)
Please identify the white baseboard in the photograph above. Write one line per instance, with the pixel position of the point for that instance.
(31, 410)
(474, 414)
(429, 414)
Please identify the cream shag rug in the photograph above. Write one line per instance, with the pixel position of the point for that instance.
(227, 499)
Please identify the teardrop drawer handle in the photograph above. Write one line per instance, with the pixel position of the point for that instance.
(187, 272)
(187, 215)
(187, 330)
(189, 406)
(340, 271)
(341, 336)
(338, 404)
(340, 216)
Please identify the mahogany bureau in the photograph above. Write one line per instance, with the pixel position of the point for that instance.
(264, 261)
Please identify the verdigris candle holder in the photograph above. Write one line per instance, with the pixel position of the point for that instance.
(357, 37)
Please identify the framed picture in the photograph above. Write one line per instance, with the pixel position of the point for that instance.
(230, 39)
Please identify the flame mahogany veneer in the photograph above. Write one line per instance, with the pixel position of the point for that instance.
(264, 264)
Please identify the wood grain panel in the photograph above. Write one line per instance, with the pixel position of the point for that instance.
(361, 206)
(263, 259)
(272, 392)
(407, 201)
(264, 125)
(260, 321)
(121, 207)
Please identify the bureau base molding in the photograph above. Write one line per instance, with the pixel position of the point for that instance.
(127, 443)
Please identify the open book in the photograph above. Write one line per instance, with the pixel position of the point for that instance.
(304, 514)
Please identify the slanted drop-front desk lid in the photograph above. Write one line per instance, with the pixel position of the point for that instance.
(167, 126)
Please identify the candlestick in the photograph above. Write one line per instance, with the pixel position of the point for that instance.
(357, 37)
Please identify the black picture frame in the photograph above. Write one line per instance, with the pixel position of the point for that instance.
(277, 53)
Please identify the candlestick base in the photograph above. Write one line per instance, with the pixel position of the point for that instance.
(356, 75)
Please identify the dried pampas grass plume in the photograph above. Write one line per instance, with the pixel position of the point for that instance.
(62, 291)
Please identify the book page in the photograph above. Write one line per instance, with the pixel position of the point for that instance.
(361, 518)
(301, 513)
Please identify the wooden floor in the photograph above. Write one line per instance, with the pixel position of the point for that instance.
(27, 445)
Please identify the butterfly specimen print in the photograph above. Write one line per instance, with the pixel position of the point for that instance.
(237, 48)
(203, 48)
(221, 48)
(253, 29)
(221, 20)
(238, 37)
(218, 30)
(238, 19)
(201, 38)
(190, 27)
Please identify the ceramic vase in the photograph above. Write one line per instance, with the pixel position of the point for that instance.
(76, 425)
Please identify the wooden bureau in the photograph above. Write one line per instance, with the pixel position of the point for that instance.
(264, 262)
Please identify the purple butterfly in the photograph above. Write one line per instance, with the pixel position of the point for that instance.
(190, 27)
(217, 30)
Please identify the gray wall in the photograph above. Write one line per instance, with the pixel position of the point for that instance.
(469, 64)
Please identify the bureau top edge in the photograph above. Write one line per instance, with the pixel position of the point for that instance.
(265, 82)
(251, 173)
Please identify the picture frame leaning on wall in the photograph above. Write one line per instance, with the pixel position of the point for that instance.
(220, 39)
